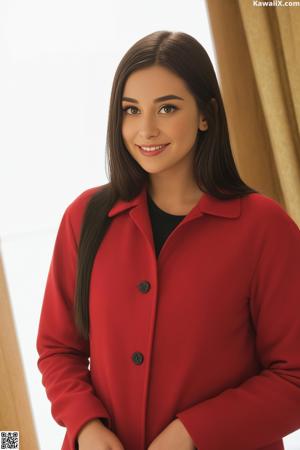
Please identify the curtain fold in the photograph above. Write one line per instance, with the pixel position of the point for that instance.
(257, 50)
(15, 410)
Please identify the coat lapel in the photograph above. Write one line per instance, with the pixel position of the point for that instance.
(207, 205)
(138, 210)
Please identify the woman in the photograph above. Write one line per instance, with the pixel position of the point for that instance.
(179, 281)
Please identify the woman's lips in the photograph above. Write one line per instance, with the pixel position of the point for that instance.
(152, 152)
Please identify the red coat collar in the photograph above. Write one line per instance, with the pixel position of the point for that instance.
(207, 204)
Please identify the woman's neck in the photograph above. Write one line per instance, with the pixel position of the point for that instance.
(172, 196)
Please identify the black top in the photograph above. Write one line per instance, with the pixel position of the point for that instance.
(162, 223)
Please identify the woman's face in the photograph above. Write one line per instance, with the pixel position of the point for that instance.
(151, 121)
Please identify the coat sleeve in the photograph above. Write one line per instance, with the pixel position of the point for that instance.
(265, 407)
(63, 355)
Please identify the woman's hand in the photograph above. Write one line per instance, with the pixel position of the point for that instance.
(96, 436)
(174, 436)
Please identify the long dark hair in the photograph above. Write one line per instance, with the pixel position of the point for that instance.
(214, 166)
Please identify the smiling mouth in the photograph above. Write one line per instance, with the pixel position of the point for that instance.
(152, 148)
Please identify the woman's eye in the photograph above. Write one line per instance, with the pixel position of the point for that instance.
(135, 108)
(169, 106)
(129, 107)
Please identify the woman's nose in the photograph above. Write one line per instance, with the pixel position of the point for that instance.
(148, 126)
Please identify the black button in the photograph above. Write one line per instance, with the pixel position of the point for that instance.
(137, 358)
(144, 286)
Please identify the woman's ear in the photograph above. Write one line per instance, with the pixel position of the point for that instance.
(203, 126)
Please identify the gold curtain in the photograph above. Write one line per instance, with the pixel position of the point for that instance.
(258, 54)
(15, 411)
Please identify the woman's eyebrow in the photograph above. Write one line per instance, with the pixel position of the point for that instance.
(156, 100)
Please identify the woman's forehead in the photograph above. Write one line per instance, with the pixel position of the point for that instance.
(154, 82)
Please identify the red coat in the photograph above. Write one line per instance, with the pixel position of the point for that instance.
(208, 333)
